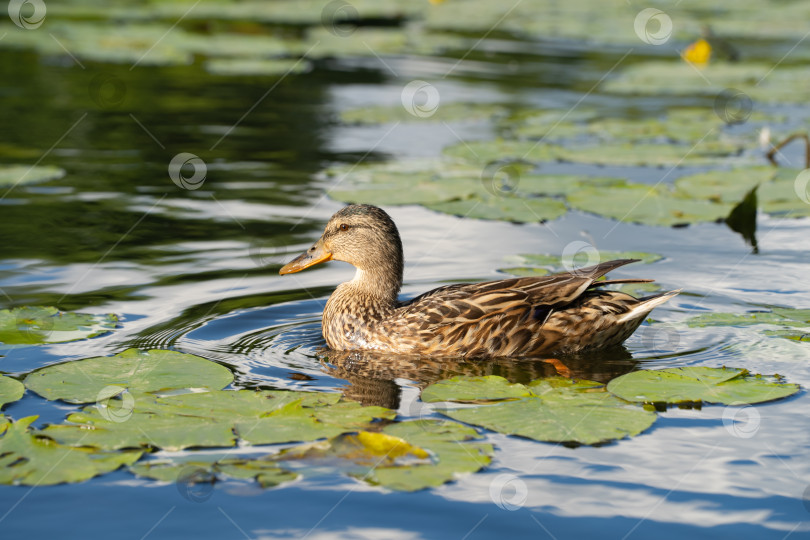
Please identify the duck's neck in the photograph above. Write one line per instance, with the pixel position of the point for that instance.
(372, 290)
(354, 309)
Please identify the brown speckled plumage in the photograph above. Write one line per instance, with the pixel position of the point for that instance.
(527, 316)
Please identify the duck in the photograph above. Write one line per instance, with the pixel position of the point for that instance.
(565, 313)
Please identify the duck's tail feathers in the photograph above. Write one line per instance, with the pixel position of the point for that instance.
(646, 305)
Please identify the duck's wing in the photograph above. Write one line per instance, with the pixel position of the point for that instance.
(467, 303)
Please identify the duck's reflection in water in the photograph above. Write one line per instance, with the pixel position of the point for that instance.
(372, 376)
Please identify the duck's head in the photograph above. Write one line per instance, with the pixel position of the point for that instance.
(361, 235)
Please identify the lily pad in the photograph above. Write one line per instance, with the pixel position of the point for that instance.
(218, 418)
(473, 389)
(81, 381)
(779, 316)
(10, 390)
(30, 459)
(788, 318)
(776, 193)
(264, 471)
(758, 81)
(406, 456)
(36, 325)
(256, 66)
(445, 112)
(541, 264)
(555, 410)
(699, 384)
(706, 152)
(649, 205)
(507, 208)
(12, 175)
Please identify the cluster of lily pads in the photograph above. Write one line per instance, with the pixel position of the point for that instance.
(499, 179)
(137, 402)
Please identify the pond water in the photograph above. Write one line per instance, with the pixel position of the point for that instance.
(197, 271)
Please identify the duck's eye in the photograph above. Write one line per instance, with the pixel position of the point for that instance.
(344, 227)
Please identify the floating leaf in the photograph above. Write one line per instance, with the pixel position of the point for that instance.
(80, 381)
(30, 459)
(557, 410)
(484, 152)
(218, 418)
(649, 205)
(36, 325)
(507, 208)
(405, 465)
(525, 271)
(554, 263)
(473, 389)
(13, 175)
(756, 81)
(779, 316)
(699, 384)
(10, 390)
(662, 155)
(266, 472)
(776, 193)
(255, 66)
(446, 112)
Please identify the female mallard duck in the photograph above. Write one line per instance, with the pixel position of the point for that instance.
(529, 316)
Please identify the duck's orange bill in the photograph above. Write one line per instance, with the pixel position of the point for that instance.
(314, 255)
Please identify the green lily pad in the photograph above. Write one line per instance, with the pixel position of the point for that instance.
(36, 325)
(555, 410)
(264, 471)
(507, 208)
(541, 264)
(12, 175)
(706, 152)
(787, 318)
(649, 205)
(217, 418)
(28, 458)
(776, 193)
(779, 316)
(256, 66)
(483, 152)
(423, 454)
(81, 381)
(140, 430)
(699, 384)
(10, 390)
(586, 419)
(759, 81)
(473, 389)
(445, 112)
